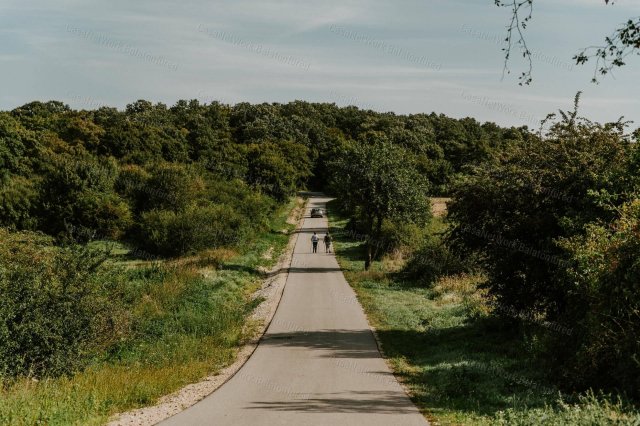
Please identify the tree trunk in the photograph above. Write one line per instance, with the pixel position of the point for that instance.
(367, 261)
(378, 236)
(373, 240)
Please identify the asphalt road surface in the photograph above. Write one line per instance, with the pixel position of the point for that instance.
(317, 364)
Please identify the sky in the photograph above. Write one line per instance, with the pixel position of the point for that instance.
(405, 56)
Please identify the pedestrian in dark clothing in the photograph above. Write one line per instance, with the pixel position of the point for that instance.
(327, 243)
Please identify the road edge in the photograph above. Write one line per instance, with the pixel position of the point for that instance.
(271, 290)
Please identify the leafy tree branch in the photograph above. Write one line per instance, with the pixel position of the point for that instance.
(622, 43)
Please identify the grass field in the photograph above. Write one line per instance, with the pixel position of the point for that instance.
(461, 367)
(185, 319)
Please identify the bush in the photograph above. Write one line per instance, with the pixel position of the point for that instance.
(172, 187)
(132, 184)
(398, 235)
(533, 217)
(106, 213)
(172, 233)
(55, 308)
(247, 202)
(78, 193)
(18, 202)
(512, 211)
(432, 261)
(604, 283)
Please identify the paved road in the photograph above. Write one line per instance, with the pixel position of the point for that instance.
(318, 363)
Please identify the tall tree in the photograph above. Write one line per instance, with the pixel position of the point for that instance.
(377, 181)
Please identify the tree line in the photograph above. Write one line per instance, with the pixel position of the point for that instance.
(155, 176)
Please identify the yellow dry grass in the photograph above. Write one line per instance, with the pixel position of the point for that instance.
(439, 206)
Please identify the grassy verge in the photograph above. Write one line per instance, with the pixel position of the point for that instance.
(181, 320)
(461, 367)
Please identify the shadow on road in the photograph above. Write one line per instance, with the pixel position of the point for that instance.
(270, 274)
(353, 402)
(307, 270)
(336, 343)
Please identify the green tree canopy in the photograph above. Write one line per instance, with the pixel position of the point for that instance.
(376, 181)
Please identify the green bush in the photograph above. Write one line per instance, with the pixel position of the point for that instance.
(132, 184)
(170, 233)
(604, 284)
(78, 193)
(172, 187)
(433, 260)
(18, 203)
(247, 202)
(398, 235)
(106, 213)
(512, 211)
(533, 218)
(180, 209)
(54, 309)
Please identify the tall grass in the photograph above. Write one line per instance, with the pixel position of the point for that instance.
(586, 410)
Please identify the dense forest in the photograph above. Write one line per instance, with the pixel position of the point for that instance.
(136, 174)
(552, 217)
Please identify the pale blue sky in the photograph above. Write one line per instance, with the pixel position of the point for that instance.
(404, 56)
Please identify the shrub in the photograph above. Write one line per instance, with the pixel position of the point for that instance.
(132, 184)
(106, 213)
(18, 202)
(77, 193)
(604, 283)
(533, 217)
(247, 202)
(511, 211)
(432, 261)
(172, 187)
(172, 233)
(399, 235)
(55, 307)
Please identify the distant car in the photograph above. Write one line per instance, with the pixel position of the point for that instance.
(317, 213)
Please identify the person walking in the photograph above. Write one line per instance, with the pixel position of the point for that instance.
(314, 242)
(327, 243)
